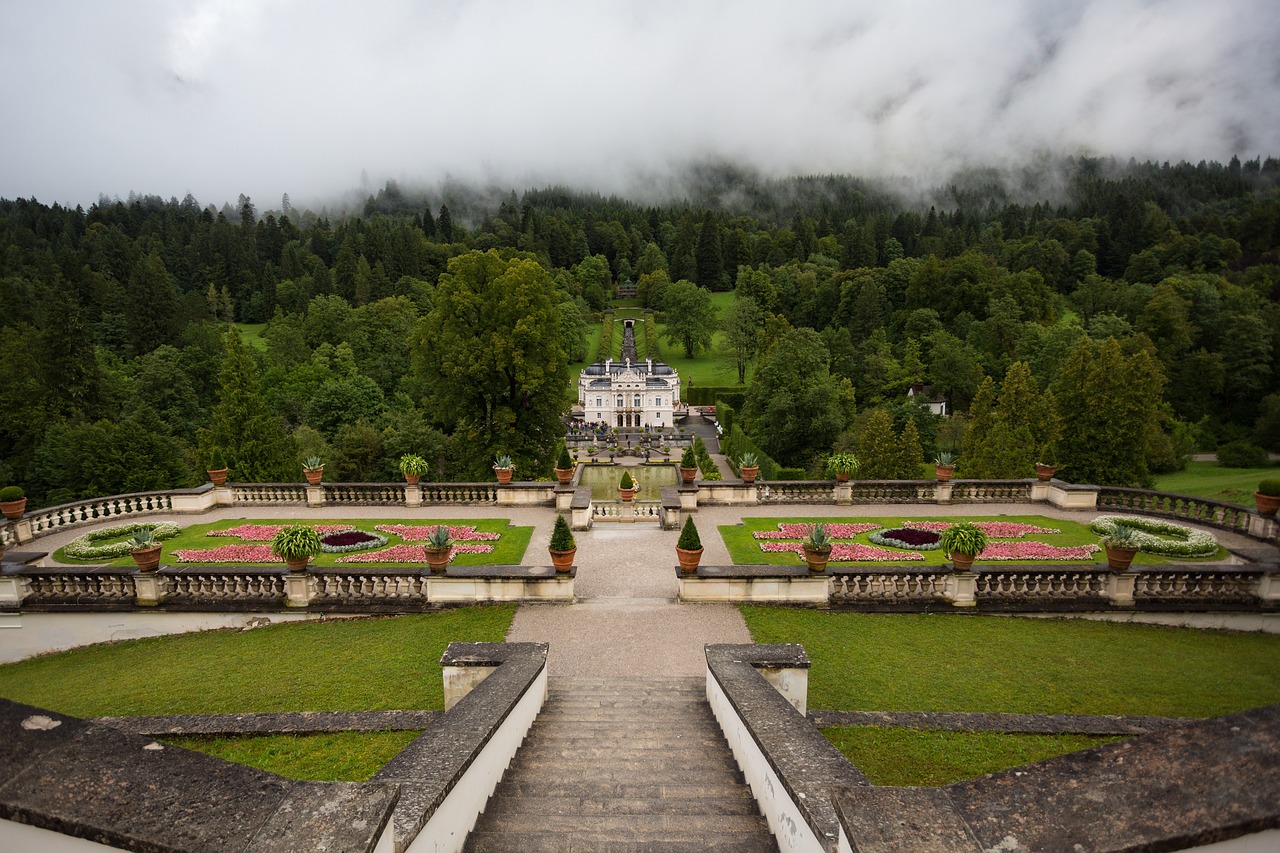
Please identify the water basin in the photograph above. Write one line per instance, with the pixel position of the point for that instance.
(603, 479)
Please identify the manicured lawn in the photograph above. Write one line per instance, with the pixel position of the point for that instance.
(508, 550)
(339, 757)
(251, 334)
(744, 548)
(928, 758)
(1211, 480)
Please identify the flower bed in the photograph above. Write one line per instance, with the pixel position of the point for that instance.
(908, 538)
(994, 529)
(265, 532)
(412, 554)
(345, 541)
(420, 532)
(799, 531)
(83, 548)
(228, 554)
(1036, 551)
(1151, 532)
(845, 552)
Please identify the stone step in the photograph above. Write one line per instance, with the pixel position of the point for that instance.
(688, 754)
(557, 842)
(596, 804)
(636, 772)
(629, 825)
(623, 790)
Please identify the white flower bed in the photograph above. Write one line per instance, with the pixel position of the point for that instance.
(1151, 532)
(375, 540)
(84, 548)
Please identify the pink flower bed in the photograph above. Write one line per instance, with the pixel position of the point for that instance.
(265, 532)
(994, 529)
(800, 531)
(1036, 551)
(410, 554)
(228, 554)
(420, 532)
(842, 552)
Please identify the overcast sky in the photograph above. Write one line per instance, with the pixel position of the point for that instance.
(303, 96)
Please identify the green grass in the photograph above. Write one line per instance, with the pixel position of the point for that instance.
(509, 550)
(251, 333)
(1210, 480)
(371, 664)
(890, 756)
(338, 757)
(944, 662)
(745, 549)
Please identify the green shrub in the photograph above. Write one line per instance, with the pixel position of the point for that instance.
(963, 538)
(627, 482)
(295, 542)
(12, 493)
(564, 462)
(216, 460)
(818, 540)
(689, 538)
(1271, 488)
(413, 466)
(1241, 454)
(313, 463)
(439, 539)
(561, 536)
(688, 459)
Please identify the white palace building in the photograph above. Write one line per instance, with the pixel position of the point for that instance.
(629, 393)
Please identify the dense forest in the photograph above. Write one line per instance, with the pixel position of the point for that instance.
(443, 323)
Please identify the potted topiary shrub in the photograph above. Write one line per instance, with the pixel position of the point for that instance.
(749, 466)
(627, 488)
(504, 468)
(688, 466)
(313, 468)
(1267, 497)
(689, 547)
(562, 547)
(944, 465)
(564, 467)
(843, 466)
(963, 542)
(1121, 545)
(439, 549)
(145, 549)
(817, 548)
(217, 469)
(13, 502)
(412, 467)
(296, 544)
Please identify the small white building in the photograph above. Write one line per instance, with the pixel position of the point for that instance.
(629, 394)
(925, 394)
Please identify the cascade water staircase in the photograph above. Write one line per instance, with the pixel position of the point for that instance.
(623, 764)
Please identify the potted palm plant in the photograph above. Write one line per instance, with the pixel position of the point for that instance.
(13, 502)
(944, 465)
(564, 467)
(627, 488)
(689, 547)
(313, 468)
(562, 547)
(296, 545)
(1121, 545)
(688, 466)
(439, 549)
(843, 466)
(217, 469)
(145, 549)
(1267, 497)
(817, 548)
(412, 467)
(749, 466)
(963, 542)
(504, 468)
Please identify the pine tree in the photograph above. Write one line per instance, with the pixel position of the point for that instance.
(879, 450)
(444, 224)
(710, 260)
(910, 454)
(251, 438)
(428, 223)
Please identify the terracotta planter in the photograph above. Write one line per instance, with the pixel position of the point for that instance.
(749, 473)
(148, 559)
(504, 475)
(411, 479)
(1120, 558)
(627, 494)
(564, 475)
(13, 510)
(313, 475)
(842, 477)
(438, 559)
(562, 560)
(962, 562)
(1045, 472)
(689, 559)
(1267, 504)
(944, 472)
(217, 476)
(817, 558)
(687, 475)
(297, 564)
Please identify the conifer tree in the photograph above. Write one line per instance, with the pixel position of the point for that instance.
(879, 450)
(251, 438)
(710, 260)
(910, 454)
(444, 224)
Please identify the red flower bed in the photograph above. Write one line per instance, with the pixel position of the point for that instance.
(800, 531)
(994, 529)
(348, 537)
(843, 552)
(1036, 551)
(912, 537)
(421, 532)
(411, 554)
(265, 532)
(228, 554)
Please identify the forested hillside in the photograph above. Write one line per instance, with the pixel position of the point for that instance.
(1151, 291)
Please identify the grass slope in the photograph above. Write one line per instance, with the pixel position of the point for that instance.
(1210, 480)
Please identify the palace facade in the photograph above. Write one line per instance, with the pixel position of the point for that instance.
(629, 394)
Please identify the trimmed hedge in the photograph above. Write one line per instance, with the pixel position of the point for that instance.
(708, 395)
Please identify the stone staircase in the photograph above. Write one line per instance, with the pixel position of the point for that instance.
(623, 765)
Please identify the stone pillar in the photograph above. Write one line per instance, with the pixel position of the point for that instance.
(413, 495)
(149, 589)
(1120, 588)
(1268, 587)
(1040, 491)
(942, 492)
(315, 495)
(961, 589)
(298, 589)
(844, 493)
(21, 530)
(13, 589)
(461, 680)
(688, 498)
(792, 682)
(628, 511)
